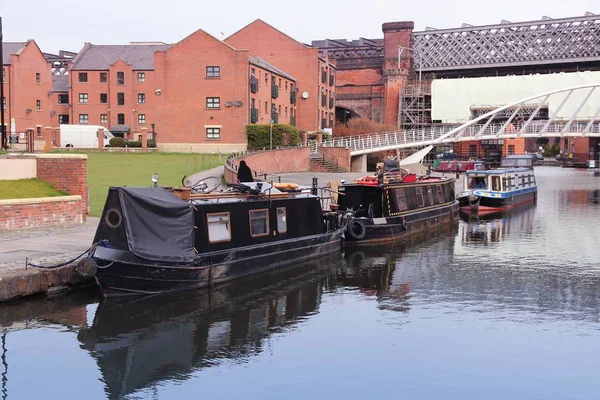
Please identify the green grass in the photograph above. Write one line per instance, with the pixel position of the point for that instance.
(136, 169)
(27, 188)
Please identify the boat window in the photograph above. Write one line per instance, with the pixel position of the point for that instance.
(496, 183)
(420, 199)
(439, 194)
(281, 220)
(401, 199)
(259, 223)
(522, 181)
(218, 227)
(430, 195)
(506, 183)
(477, 182)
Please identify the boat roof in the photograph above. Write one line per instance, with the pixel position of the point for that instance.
(498, 171)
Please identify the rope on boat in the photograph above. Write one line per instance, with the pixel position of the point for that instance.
(27, 263)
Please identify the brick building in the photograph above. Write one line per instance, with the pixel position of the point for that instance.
(208, 91)
(113, 86)
(315, 75)
(27, 103)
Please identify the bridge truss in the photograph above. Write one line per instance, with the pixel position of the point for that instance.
(538, 124)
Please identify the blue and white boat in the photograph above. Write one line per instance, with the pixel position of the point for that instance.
(499, 189)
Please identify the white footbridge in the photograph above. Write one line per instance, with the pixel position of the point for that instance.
(579, 102)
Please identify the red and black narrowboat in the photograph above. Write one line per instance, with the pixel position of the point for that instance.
(395, 204)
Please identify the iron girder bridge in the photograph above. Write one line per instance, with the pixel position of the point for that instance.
(485, 126)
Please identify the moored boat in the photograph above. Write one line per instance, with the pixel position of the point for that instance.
(151, 241)
(395, 204)
(493, 190)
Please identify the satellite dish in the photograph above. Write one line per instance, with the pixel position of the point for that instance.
(228, 104)
(305, 95)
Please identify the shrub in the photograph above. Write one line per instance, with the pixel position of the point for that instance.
(283, 135)
(117, 142)
(360, 126)
(133, 143)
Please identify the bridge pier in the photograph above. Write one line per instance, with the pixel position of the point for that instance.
(358, 163)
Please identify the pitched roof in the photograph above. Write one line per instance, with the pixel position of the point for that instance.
(9, 48)
(60, 83)
(101, 57)
(256, 21)
(259, 62)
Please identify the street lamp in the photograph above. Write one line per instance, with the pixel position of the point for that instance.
(401, 48)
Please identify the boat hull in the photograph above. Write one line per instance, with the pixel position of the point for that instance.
(494, 204)
(120, 272)
(380, 230)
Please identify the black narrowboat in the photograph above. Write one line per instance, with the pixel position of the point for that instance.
(151, 241)
(395, 204)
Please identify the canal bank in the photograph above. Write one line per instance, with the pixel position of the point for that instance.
(56, 245)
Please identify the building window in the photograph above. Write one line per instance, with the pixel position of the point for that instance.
(63, 118)
(266, 107)
(213, 72)
(286, 86)
(281, 220)
(120, 99)
(83, 77)
(286, 112)
(37, 77)
(472, 150)
(219, 228)
(213, 133)
(141, 98)
(103, 77)
(103, 98)
(511, 149)
(83, 118)
(103, 119)
(213, 102)
(121, 119)
(83, 98)
(63, 98)
(38, 131)
(141, 119)
(141, 77)
(266, 79)
(38, 105)
(259, 223)
(120, 78)
(420, 198)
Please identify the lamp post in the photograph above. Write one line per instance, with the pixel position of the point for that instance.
(271, 135)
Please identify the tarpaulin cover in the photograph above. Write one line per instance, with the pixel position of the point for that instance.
(159, 226)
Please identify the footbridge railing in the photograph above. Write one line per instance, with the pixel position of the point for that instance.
(584, 97)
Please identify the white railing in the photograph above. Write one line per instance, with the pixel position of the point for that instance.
(482, 126)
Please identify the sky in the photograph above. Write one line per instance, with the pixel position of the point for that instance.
(68, 24)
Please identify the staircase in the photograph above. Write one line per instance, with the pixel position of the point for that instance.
(319, 163)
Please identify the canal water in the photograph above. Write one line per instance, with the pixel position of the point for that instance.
(495, 308)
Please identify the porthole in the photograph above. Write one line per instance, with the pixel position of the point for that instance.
(113, 218)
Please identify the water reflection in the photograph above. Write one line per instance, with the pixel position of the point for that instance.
(494, 227)
(388, 272)
(140, 342)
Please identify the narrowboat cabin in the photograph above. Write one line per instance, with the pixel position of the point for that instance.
(395, 204)
(499, 189)
(151, 241)
(459, 166)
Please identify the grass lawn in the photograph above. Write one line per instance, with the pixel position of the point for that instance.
(136, 169)
(27, 188)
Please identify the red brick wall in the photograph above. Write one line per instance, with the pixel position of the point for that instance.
(181, 112)
(131, 88)
(273, 162)
(296, 59)
(67, 173)
(341, 154)
(22, 91)
(359, 77)
(40, 214)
